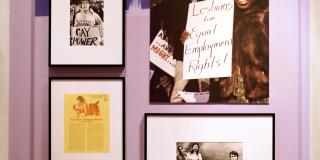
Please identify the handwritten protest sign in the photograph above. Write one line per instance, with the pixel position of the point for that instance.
(195, 97)
(208, 50)
(161, 54)
(85, 36)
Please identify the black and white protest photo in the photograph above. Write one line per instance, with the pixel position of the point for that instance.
(209, 51)
(86, 22)
(209, 151)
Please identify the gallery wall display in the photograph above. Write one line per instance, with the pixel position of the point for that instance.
(209, 136)
(86, 33)
(86, 118)
(213, 51)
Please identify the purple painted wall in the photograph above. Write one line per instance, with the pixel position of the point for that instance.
(21, 76)
(29, 82)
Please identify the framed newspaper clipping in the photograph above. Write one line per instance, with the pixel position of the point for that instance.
(86, 118)
(209, 136)
(86, 33)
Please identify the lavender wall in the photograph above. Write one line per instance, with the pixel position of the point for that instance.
(21, 86)
(29, 85)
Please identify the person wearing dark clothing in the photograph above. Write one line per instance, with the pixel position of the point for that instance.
(175, 15)
(250, 53)
(252, 49)
(161, 82)
(175, 19)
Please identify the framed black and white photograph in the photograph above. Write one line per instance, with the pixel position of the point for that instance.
(209, 136)
(86, 118)
(86, 32)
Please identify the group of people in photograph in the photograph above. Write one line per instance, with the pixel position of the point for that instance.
(194, 153)
(249, 82)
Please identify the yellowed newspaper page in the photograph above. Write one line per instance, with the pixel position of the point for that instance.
(86, 123)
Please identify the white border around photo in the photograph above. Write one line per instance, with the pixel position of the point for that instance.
(255, 131)
(111, 53)
(112, 87)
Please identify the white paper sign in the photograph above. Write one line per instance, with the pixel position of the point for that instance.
(86, 36)
(161, 54)
(208, 50)
(195, 97)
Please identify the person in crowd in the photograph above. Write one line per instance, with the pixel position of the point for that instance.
(233, 155)
(87, 17)
(160, 83)
(181, 155)
(194, 153)
(251, 47)
(72, 13)
(250, 56)
(175, 16)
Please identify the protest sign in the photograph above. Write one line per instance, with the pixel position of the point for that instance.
(161, 54)
(208, 49)
(85, 36)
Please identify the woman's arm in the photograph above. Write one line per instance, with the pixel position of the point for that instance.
(199, 156)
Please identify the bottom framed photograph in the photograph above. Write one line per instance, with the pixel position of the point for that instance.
(86, 119)
(209, 136)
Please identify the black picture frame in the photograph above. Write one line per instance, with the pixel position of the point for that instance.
(90, 65)
(204, 115)
(121, 79)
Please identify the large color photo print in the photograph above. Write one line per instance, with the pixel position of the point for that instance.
(209, 51)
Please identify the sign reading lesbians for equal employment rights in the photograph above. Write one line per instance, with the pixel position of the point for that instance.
(85, 36)
(161, 54)
(208, 49)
